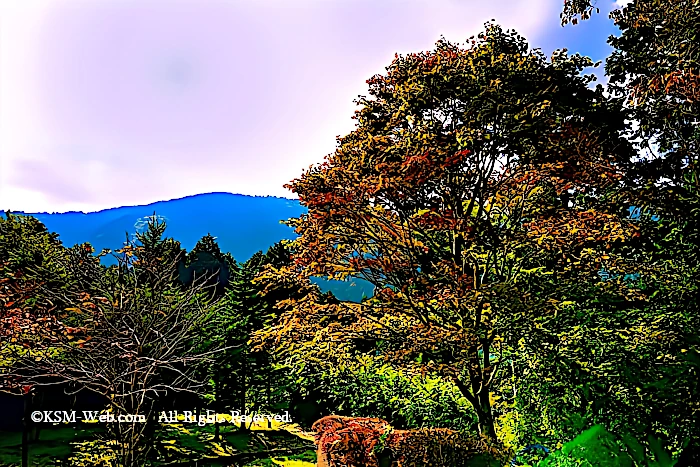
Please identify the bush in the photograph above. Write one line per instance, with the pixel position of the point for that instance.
(407, 401)
(598, 447)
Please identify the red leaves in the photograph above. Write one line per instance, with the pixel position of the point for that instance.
(355, 441)
(348, 440)
(456, 158)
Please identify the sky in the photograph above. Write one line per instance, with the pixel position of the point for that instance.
(107, 103)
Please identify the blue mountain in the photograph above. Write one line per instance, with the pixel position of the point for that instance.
(241, 224)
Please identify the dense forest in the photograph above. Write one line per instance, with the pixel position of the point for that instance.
(485, 193)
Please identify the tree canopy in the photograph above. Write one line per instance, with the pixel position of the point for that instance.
(473, 181)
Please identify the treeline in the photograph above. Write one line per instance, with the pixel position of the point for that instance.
(163, 329)
(483, 192)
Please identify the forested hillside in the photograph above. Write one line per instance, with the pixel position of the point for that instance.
(243, 225)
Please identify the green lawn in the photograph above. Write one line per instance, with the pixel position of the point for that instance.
(178, 443)
(54, 443)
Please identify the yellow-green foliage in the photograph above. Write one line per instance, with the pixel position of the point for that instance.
(284, 462)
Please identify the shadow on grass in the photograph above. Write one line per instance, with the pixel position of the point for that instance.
(54, 444)
(177, 444)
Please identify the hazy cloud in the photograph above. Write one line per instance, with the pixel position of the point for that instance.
(168, 99)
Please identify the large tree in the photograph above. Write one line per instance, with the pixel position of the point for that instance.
(35, 272)
(131, 336)
(206, 259)
(655, 68)
(473, 176)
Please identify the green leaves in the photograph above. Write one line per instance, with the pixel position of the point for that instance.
(598, 447)
(464, 217)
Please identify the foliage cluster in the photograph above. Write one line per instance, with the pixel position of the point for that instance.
(371, 442)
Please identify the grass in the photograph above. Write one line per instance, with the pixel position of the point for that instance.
(54, 443)
(307, 459)
(177, 442)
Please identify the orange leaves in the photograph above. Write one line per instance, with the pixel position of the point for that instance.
(456, 158)
(349, 440)
(413, 166)
(360, 442)
(569, 228)
(683, 84)
(440, 221)
(127, 250)
(443, 200)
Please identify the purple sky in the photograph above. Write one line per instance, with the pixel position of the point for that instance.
(107, 103)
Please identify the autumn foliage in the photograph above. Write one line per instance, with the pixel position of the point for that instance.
(357, 441)
(473, 181)
(486, 192)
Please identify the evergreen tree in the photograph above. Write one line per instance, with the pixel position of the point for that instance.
(158, 255)
(206, 261)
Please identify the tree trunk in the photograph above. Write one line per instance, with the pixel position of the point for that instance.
(485, 415)
(482, 405)
(26, 426)
(37, 402)
(244, 388)
(217, 403)
(268, 389)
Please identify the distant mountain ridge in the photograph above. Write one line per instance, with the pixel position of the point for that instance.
(241, 224)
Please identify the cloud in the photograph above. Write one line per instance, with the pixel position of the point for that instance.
(168, 99)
